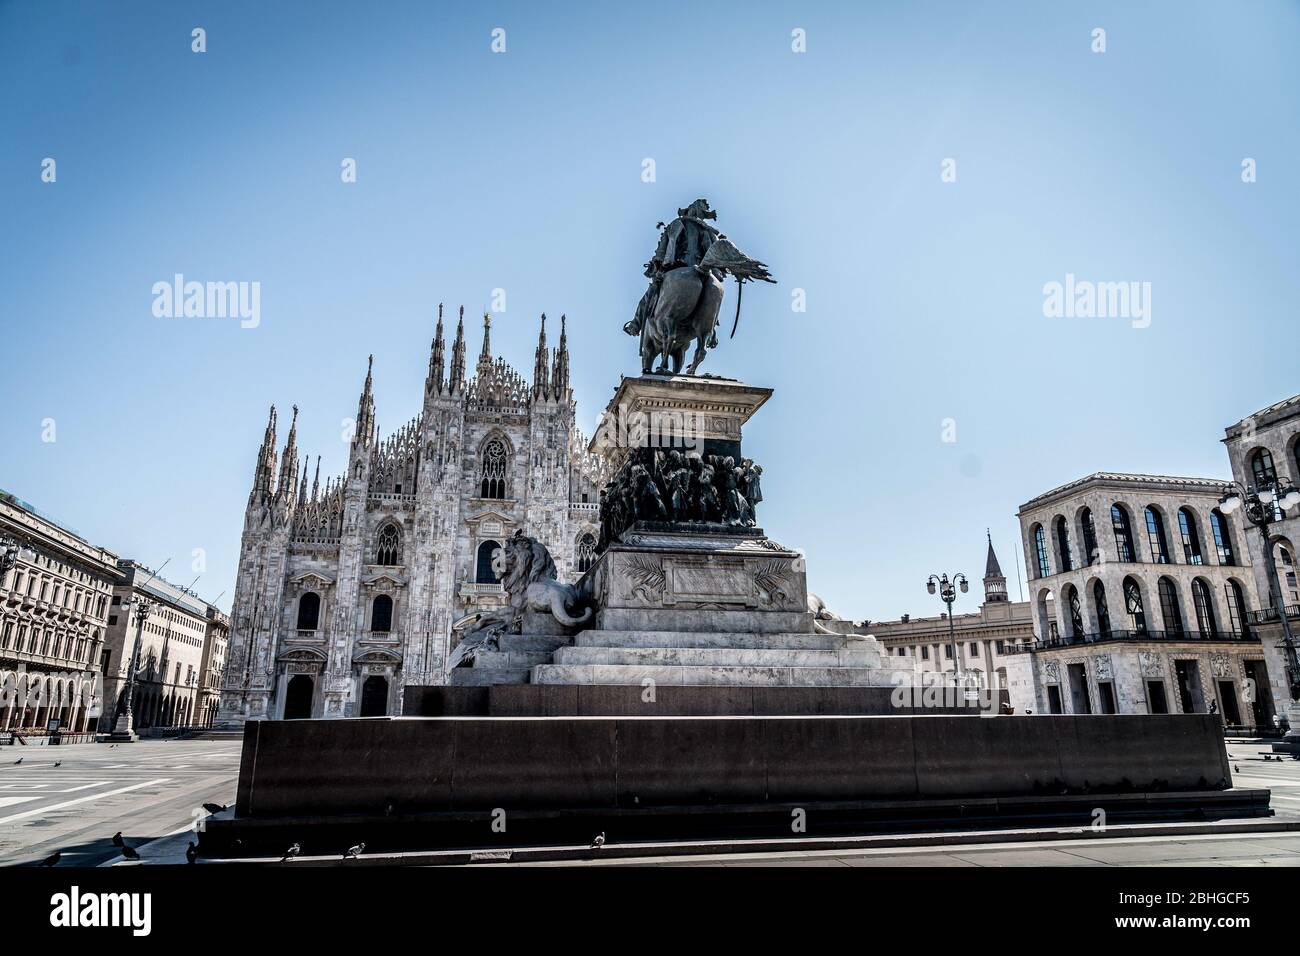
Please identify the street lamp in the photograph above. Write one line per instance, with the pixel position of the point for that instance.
(948, 593)
(1260, 506)
(8, 555)
(124, 730)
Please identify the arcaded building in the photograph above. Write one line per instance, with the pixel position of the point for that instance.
(347, 589)
(54, 609)
(1141, 588)
(1264, 451)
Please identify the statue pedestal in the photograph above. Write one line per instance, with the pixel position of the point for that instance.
(695, 414)
(655, 580)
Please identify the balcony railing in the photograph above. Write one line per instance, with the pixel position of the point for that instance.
(468, 587)
(1077, 640)
(1269, 615)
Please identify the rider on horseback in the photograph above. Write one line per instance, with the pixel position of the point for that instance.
(683, 243)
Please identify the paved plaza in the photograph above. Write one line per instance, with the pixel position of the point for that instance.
(146, 790)
(156, 789)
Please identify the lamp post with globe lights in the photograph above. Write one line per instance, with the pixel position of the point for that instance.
(947, 590)
(1262, 506)
(124, 731)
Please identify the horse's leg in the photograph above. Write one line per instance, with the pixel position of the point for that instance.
(704, 318)
(679, 356)
(700, 352)
(664, 355)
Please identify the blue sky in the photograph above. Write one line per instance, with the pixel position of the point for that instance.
(522, 171)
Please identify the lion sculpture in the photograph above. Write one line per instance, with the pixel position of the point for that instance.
(527, 571)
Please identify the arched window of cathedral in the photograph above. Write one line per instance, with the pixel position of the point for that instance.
(309, 611)
(586, 551)
(483, 573)
(492, 470)
(381, 614)
(388, 546)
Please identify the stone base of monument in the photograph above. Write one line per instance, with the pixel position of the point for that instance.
(411, 783)
(505, 699)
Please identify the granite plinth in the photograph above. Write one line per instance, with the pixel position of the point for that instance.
(410, 765)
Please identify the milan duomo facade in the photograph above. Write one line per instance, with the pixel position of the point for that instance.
(347, 591)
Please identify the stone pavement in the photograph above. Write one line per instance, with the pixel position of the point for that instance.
(146, 790)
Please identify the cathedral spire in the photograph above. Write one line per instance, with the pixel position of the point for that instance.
(485, 355)
(995, 584)
(315, 483)
(289, 461)
(560, 375)
(434, 383)
(366, 408)
(264, 473)
(456, 382)
(302, 487)
(541, 376)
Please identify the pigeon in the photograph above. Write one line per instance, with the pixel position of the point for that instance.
(597, 843)
(117, 839)
(129, 852)
(1236, 769)
(354, 851)
(214, 807)
(18, 761)
(58, 763)
(294, 850)
(191, 853)
(52, 859)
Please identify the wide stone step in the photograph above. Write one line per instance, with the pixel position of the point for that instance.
(737, 639)
(723, 676)
(718, 656)
(532, 642)
(510, 660)
(482, 677)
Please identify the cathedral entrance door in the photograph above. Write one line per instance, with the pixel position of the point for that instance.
(297, 698)
(374, 697)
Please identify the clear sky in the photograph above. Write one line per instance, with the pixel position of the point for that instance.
(522, 170)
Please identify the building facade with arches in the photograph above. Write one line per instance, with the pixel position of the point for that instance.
(1262, 448)
(347, 591)
(175, 645)
(1141, 591)
(54, 612)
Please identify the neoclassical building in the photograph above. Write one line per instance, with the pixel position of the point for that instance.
(347, 590)
(54, 608)
(983, 638)
(1263, 448)
(169, 648)
(1141, 588)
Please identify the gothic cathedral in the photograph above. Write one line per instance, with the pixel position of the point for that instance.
(347, 591)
